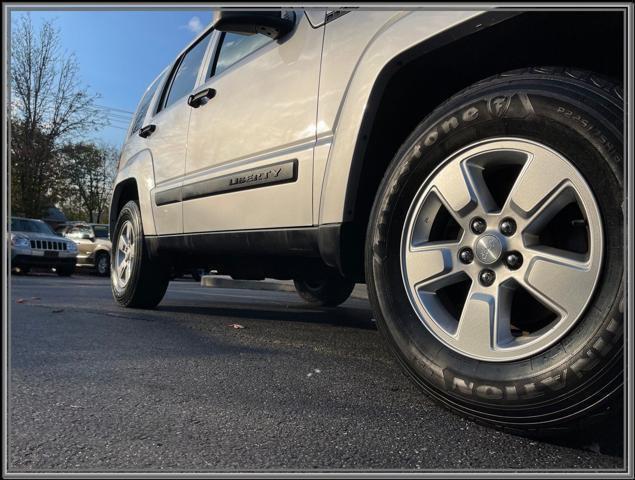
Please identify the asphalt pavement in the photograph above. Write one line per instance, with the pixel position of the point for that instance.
(180, 388)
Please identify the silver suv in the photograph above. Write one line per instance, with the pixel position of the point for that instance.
(35, 245)
(426, 153)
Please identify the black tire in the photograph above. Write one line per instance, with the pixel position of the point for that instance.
(65, 270)
(575, 381)
(148, 278)
(328, 292)
(197, 274)
(102, 264)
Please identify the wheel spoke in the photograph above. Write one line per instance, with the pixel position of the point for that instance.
(556, 277)
(120, 270)
(541, 175)
(475, 332)
(432, 266)
(453, 187)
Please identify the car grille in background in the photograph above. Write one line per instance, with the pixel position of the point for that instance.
(48, 245)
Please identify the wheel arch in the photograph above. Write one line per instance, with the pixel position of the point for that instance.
(124, 191)
(135, 181)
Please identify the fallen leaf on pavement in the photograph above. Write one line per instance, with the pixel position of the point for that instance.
(20, 300)
(58, 310)
(235, 325)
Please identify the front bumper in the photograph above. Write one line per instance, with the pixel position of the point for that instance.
(34, 258)
(85, 260)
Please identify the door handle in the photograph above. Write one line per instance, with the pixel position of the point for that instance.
(197, 99)
(146, 131)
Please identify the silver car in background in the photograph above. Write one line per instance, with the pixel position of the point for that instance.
(35, 245)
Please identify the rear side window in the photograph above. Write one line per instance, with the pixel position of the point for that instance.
(142, 109)
(101, 231)
(184, 79)
(234, 47)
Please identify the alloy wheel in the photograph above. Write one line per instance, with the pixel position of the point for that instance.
(501, 249)
(124, 256)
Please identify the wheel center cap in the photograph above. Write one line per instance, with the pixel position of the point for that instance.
(488, 249)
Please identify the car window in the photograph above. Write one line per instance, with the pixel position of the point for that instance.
(101, 231)
(78, 231)
(235, 47)
(184, 79)
(34, 226)
(142, 109)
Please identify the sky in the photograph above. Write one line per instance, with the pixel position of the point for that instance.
(121, 52)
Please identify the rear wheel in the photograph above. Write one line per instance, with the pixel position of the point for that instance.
(494, 252)
(197, 274)
(137, 281)
(327, 292)
(102, 264)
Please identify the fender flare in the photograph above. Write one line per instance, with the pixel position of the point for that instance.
(137, 173)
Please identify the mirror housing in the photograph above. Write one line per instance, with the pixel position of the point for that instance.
(270, 23)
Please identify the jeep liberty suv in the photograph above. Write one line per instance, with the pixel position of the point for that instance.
(467, 166)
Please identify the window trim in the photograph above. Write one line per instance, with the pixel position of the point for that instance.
(211, 71)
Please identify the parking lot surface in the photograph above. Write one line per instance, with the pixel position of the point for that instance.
(96, 387)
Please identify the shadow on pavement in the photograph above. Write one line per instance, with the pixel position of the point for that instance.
(340, 316)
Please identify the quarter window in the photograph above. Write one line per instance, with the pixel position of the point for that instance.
(234, 47)
(142, 109)
(184, 79)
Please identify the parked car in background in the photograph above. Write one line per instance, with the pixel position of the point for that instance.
(35, 244)
(93, 244)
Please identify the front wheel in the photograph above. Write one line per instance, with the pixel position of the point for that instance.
(137, 281)
(494, 255)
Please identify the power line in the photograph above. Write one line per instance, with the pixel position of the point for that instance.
(111, 114)
(104, 107)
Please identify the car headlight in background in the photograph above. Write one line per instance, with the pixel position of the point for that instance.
(71, 247)
(20, 241)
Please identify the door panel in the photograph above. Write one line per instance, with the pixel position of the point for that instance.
(285, 203)
(263, 113)
(169, 139)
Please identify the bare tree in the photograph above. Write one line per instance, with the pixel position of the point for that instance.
(90, 170)
(48, 105)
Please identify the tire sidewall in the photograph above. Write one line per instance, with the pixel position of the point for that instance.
(130, 212)
(98, 261)
(552, 113)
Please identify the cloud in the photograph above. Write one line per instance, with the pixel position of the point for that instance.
(194, 25)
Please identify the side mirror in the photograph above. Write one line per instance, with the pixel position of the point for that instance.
(271, 24)
(86, 236)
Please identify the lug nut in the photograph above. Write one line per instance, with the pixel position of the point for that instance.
(487, 277)
(478, 225)
(513, 260)
(507, 227)
(466, 255)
